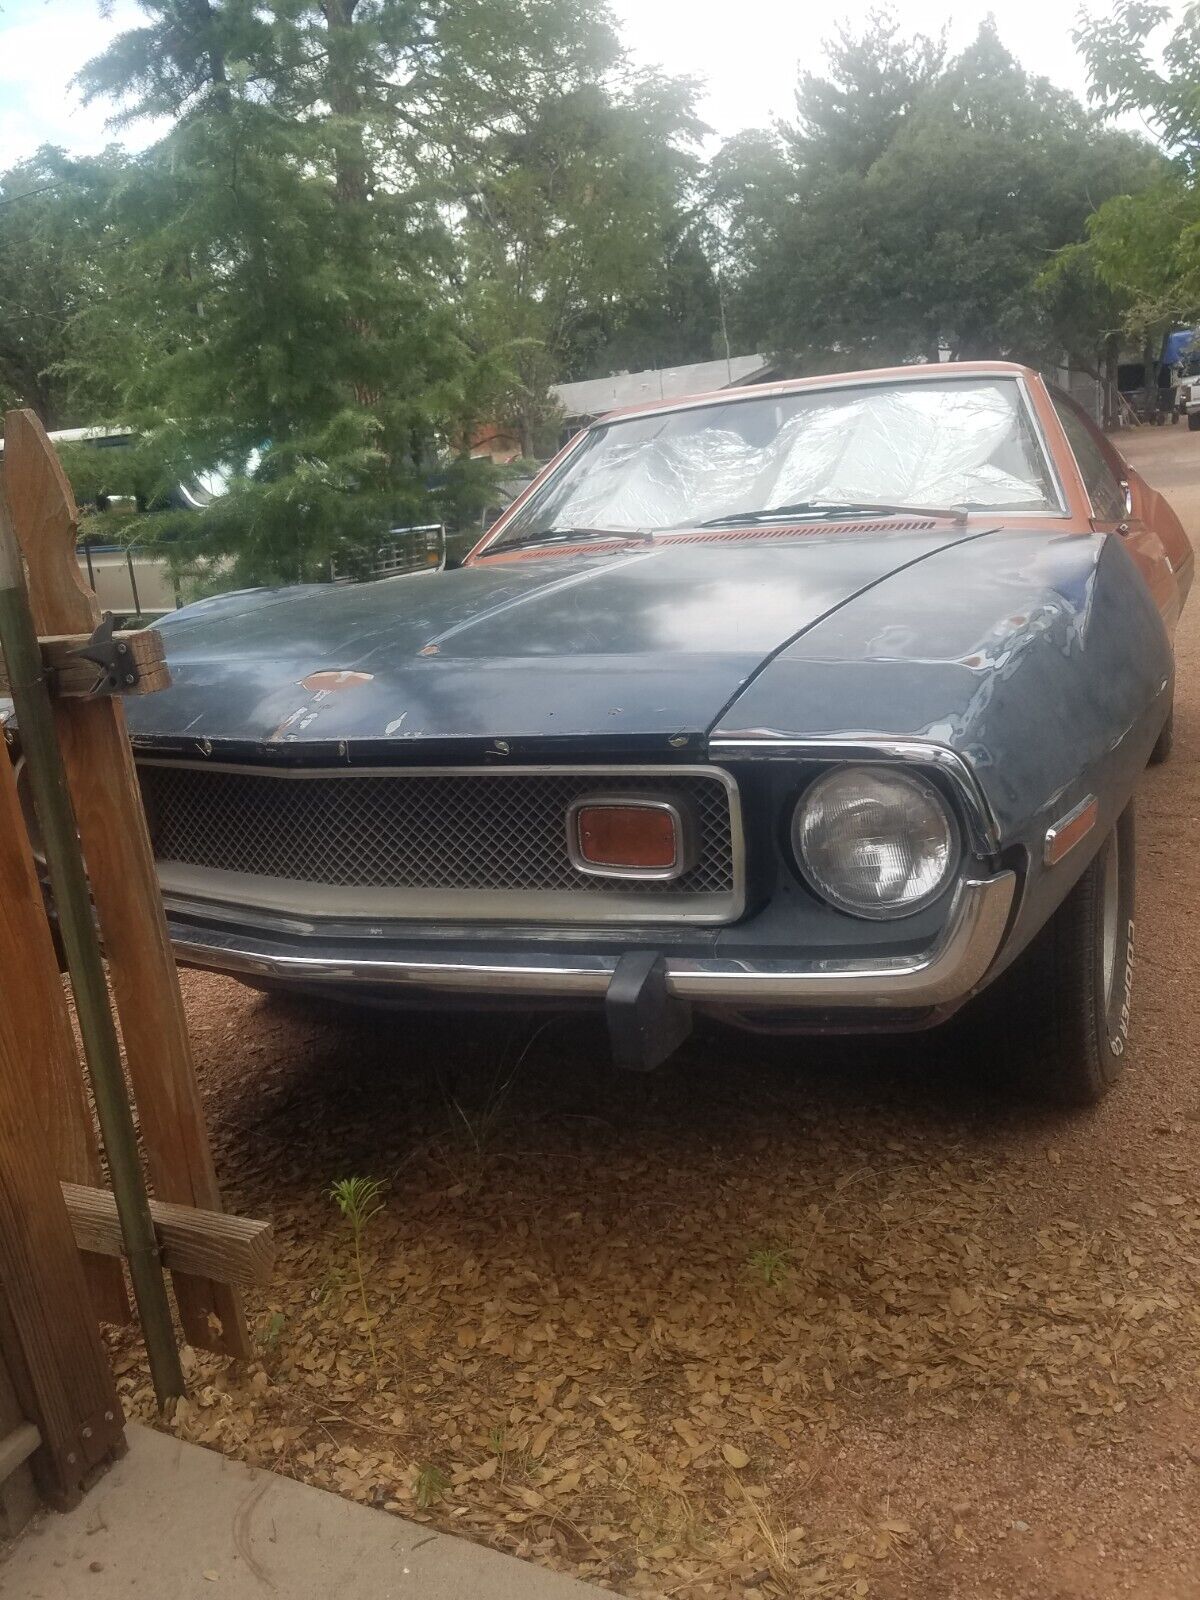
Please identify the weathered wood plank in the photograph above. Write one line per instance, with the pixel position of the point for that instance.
(18, 1499)
(73, 677)
(209, 1244)
(116, 847)
(49, 1338)
(43, 512)
(16, 1447)
(44, 1037)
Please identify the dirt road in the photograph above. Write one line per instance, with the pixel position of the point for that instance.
(785, 1319)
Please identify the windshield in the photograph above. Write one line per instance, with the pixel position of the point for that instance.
(965, 443)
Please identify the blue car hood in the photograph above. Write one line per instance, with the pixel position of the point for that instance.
(643, 648)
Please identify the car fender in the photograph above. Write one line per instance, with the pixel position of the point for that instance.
(1038, 659)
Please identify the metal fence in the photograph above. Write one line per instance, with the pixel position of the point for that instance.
(136, 580)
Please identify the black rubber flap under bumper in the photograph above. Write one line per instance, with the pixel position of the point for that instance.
(646, 1024)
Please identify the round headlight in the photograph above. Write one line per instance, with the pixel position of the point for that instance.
(875, 841)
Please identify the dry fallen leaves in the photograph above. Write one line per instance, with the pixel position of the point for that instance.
(569, 1342)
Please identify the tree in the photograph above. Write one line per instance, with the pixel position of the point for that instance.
(275, 295)
(1118, 51)
(371, 224)
(1009, 168)
(923, 226)
(50, 267)
(1145, 246)
(578, 247)
(873, 82)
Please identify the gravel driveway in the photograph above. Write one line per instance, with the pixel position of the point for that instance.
(786, 1319)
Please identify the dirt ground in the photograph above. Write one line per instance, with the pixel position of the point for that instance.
(785, 1319)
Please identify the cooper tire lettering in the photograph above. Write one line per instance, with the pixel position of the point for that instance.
(1126, 993)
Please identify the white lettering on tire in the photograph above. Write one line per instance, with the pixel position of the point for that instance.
(1121, 1037)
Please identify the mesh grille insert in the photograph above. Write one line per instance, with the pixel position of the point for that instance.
(450, 831)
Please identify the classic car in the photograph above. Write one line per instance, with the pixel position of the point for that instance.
(814, 706)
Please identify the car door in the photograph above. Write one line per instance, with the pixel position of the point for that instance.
(1120, 501)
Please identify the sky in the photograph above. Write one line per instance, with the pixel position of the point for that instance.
(43, 43)
(746, 50)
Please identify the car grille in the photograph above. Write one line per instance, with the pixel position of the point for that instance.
(427, 843)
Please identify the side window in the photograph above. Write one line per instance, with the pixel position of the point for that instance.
(1101, 482)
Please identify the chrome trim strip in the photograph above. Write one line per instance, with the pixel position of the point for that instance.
(314, 900)
(1039, 433)
(1070, 829)
(949, 970)
(291, 897)
(492, 769)
(764, 744)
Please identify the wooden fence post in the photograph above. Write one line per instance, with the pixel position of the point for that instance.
(120, 863)
(49, 1330)
(18, 1498)
(43, 1037)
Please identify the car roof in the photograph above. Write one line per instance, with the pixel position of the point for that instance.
(926, 373)
(86, 436)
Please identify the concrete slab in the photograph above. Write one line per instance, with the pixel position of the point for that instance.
(175, 1522)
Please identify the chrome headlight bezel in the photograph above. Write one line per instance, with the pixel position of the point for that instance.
(880, 778)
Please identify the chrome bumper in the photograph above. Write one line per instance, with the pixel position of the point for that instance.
(948, 971)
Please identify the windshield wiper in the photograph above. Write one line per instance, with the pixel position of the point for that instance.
(828, 510)
(566, 535)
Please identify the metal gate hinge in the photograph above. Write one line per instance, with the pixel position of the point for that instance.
(114, 658)
(105, 662)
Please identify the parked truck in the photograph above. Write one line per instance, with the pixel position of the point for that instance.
(1181, 355)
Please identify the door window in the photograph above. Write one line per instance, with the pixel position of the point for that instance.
(1101, 482)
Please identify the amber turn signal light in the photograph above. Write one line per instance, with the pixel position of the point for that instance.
(623, 837)
(1070, 830)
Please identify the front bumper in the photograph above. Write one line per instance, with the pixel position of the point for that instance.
(942, 975)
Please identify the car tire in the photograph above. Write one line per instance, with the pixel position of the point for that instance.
(1194, 421)
(1076, 981)
(1166, 739)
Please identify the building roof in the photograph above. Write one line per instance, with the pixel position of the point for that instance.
(595, 396)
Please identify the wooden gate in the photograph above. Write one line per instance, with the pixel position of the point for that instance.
(63, 1233)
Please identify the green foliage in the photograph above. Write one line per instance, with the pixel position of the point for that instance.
(429, 1486)
(374, 226)
(476, 1119)
(1119, 49)
(52, 259)
(284, 324)
(580, 252)
(360, 1200)
(913, 205)
(874, 82)
(308, 282)
(771, 1263)
(1145, 246)
(272, 1331)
